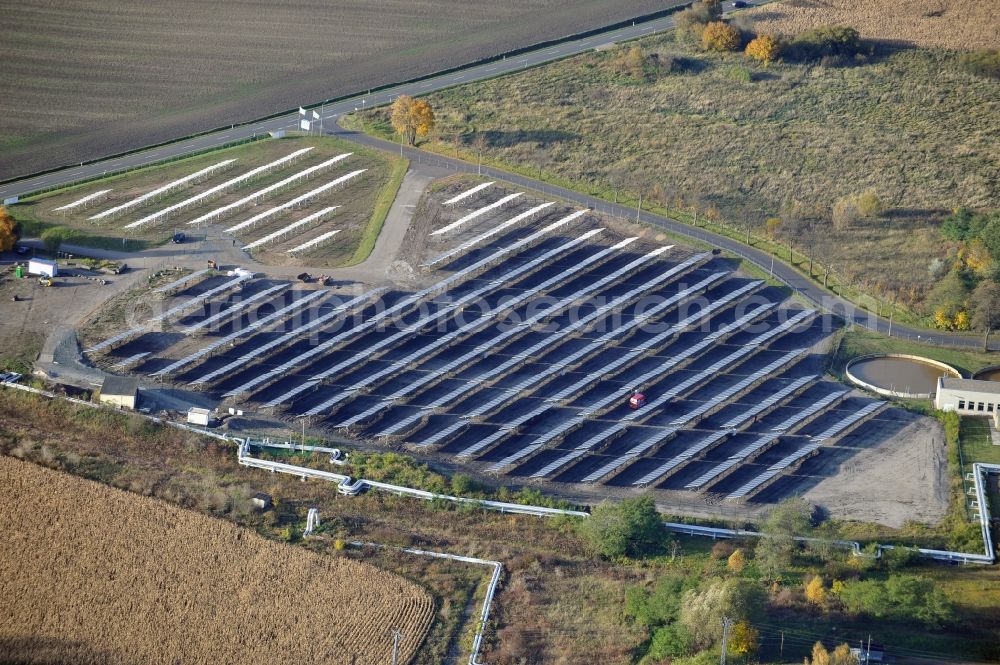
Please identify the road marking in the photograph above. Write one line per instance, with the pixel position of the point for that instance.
(489, 69)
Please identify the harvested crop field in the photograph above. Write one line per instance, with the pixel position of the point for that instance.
(92, 574)
(949, 24)
(84, 79)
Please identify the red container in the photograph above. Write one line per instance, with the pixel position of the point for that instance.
(637, 401)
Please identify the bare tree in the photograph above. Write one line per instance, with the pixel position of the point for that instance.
(986, 309)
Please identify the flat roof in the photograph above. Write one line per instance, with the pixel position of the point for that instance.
(120, 386)
(972, 385)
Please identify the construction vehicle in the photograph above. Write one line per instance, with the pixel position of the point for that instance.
(45, 281)
(636, 401)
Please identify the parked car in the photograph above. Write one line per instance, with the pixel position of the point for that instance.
(740, 4)
(179, 237)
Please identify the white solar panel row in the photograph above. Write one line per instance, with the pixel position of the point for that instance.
(302, 198)
(131, 360)
(738, 387)
(559, 463)
(775, 469)
(840, 426)
(762, 442)
(180, 282)
(477, 213)
(254, 326)
(489, 234)
(812, 409)
(198, 299)
(444, 340)
(406, 332)
(289, 336)
(184, 306)
(308, 219)
(211, 191)
(511, 459)
(677, 460)
(236, 307)
(80, 202)
(467, 193)
(651, 406)
(256, 196)
(770, 401)
(160, 190)
(314, 242)
(551, 339)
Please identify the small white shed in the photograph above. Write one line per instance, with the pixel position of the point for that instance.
(43, 267)
(198, 416)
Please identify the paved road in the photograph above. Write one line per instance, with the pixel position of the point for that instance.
(808, 289)
(330, 111)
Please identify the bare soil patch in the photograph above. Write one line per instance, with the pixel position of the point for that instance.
(166, 585)
(889, 480)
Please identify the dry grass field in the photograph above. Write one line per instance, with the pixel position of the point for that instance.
(92, 574)
(84, 79)
(948, 24)
(358, 199)
(910, 124)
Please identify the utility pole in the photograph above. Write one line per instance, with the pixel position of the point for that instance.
(395, 645)
(781, 648)
(868, 651)
(727, 624)
(638, 208)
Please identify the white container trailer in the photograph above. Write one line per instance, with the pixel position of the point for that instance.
(43, 267)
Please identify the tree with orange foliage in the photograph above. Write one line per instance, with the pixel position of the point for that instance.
(737, 562)
(720, 36)
(764, 48)
(412, 117)
(8, 231)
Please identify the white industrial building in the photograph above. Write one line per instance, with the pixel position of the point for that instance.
(968, 397)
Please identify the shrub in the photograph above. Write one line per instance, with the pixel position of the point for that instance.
(982, 63)
(825, 41)
(719, 36)
(722, 549)
(764, 49)
(9, 231)
(845, 212)
(869, 204)
(690, 23)
(55, 237)
(815, 591)
(737, 562)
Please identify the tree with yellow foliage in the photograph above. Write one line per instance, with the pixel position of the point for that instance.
(764, 49)
(772, 225)
(840, 656)
(720, 36)
(961, 321)
(737, 562)
(820, 655)
(8, 231)
(815, 591)
(412, 117)
(745, 639)
(941, 319)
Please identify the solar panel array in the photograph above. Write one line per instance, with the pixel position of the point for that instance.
(818, 441)
(221, 187)
(139, 200)
(477, 213)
